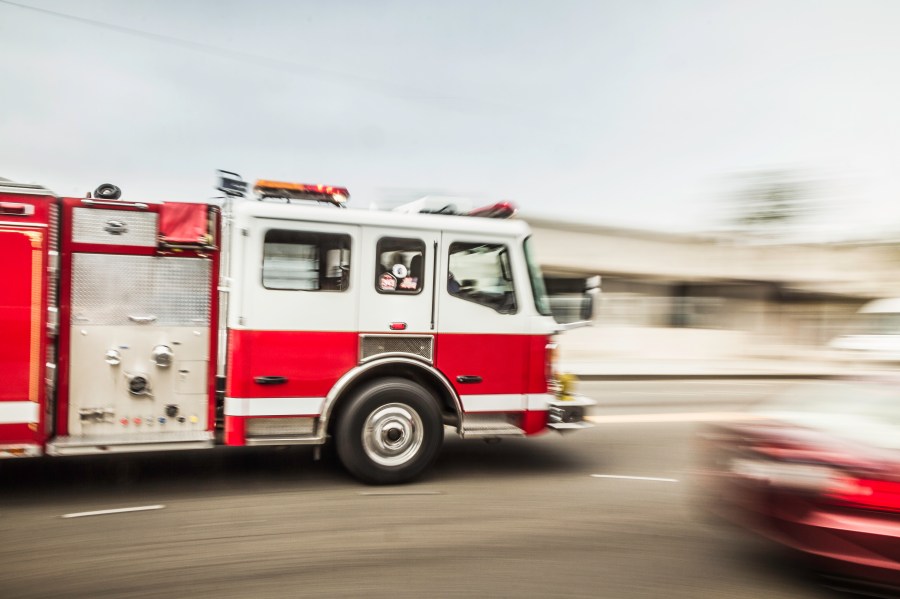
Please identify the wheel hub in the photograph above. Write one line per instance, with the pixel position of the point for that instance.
(392, 434)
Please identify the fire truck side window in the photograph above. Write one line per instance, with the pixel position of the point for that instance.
(400, 265)
(481, 273)
(306, 260)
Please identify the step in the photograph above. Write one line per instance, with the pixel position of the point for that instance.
(127, 443)
(475, 427)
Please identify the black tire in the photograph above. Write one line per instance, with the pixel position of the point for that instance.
(390, 432)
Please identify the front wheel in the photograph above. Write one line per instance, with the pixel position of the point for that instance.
(390, 433)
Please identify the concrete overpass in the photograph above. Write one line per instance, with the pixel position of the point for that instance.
(709, 296)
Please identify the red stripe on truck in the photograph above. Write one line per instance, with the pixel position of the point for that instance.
(311, 362)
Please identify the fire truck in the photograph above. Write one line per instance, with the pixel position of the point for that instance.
(279, 319)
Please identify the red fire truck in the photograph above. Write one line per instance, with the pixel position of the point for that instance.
(131, 326)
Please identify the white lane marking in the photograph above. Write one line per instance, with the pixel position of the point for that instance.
(673, 417)
(651, 478)
(711, 393)
(391, 493)
(120, 510)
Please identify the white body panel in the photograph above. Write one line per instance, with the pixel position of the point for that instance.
(99, 396)
(253, 306)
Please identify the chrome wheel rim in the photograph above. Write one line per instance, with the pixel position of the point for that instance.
(392, 434)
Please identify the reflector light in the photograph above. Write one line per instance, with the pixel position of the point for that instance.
(551, 353)
(19, 451)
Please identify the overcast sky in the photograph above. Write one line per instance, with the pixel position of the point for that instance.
(633, 113)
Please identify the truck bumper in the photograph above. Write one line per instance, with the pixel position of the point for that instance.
(569, 414)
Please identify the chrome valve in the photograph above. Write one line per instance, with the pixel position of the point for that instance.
(162, 356)
(113, 357)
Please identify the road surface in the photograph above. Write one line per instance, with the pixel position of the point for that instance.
(606, 512)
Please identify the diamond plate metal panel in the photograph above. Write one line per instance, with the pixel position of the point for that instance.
(373, 346)
(260, 427)
(114, 227)
(117, 290)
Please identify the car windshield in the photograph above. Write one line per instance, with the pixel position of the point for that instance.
(866, 412)
(876, 323)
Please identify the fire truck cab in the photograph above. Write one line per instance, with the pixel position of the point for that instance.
(132, 326)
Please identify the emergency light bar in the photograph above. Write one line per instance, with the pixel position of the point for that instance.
(302, 191)
(453, 206)
(498, 210)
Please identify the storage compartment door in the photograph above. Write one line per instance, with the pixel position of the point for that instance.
(22, 326)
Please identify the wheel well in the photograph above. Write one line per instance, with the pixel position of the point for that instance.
(417, 374)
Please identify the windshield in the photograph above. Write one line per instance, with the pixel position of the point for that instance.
(538, 289)
(877, 323)
(865, 412)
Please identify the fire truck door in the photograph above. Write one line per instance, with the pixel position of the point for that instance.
(293, 318)
(483, 325)
(398, 277)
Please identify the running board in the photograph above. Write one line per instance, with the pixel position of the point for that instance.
(96, 444)
(284, 440)
(489, 427)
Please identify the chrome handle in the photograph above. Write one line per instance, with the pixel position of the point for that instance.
(270, 380)
(142, 319)
(140, 205)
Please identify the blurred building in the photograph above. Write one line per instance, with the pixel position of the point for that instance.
(708, 296)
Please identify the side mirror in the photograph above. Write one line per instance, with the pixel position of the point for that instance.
(591, 291)
(587, 306)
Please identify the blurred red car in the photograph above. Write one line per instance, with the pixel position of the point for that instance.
(817, 471)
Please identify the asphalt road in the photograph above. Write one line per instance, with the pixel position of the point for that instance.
(540, 517)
